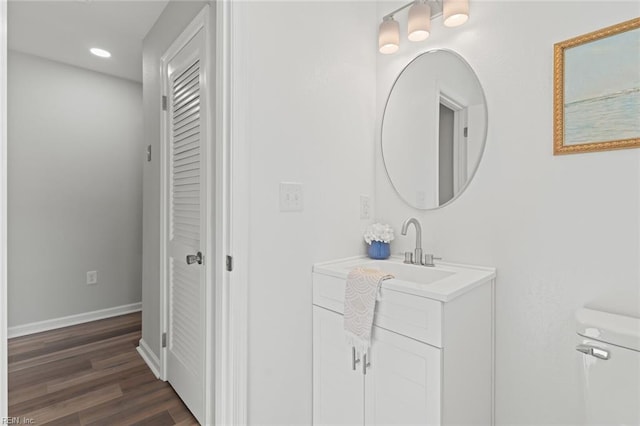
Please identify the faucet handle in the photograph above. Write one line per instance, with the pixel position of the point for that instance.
(417, 256)
(429, 258)
(408, 257)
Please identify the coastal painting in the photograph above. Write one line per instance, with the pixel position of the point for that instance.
(597, 90)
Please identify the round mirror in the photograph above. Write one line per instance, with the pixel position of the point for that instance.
(434, 129)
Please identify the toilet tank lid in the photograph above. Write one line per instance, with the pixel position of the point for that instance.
(619, 330)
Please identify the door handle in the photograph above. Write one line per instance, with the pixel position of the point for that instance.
(194, 258)
(593, 351)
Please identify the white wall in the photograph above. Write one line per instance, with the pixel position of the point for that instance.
(75, 189)
(304, 84)
(173, 20)
(562, 231)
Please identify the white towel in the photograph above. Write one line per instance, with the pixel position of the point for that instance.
(360, 297)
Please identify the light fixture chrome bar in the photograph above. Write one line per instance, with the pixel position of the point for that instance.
(434, 13)
(390, 15)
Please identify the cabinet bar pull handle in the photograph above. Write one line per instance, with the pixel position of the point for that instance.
(365, 364)
(354, 361)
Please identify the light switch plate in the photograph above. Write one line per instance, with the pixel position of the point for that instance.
(92, 277)
(291, 197)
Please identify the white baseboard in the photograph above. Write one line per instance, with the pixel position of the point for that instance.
(52, 324)
(149, 357)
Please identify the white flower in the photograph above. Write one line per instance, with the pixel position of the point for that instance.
(379, 232)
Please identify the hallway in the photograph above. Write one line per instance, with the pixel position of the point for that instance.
(89, 374)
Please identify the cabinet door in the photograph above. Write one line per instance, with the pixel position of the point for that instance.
(338, 390)
(402, 384)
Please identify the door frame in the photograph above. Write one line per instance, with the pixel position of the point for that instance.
(226, 322)
(200, 23)
(232, 291)
(459, 108)
(4, 412)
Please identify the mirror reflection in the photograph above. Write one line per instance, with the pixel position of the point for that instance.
(434, 129)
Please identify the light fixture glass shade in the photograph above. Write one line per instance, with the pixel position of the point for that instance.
(389, 36)
(455, 12)
(419, 23)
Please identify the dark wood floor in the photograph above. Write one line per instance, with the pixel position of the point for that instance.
(89, 374)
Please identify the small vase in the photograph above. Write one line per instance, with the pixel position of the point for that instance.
(379, 250)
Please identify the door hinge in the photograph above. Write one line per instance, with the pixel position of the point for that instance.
(164, 340)
(466, 132)
(164, 103)
(229, 263)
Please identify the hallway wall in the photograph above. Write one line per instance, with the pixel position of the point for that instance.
(74, 189)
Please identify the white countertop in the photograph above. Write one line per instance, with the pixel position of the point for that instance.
(443, 282)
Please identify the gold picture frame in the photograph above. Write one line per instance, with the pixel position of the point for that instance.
(586, 91)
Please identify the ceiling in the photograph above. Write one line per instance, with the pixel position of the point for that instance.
(64, 31)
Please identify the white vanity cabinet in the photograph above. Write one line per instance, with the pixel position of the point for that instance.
(430, 361)
(404, 387)
(338, 392)
(401, 384)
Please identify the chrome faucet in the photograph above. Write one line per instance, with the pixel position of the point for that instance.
(416, 259)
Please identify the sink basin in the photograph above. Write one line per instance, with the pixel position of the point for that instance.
(407, 272)
(443, 282)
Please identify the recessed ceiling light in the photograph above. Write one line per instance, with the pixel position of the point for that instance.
(100, 52)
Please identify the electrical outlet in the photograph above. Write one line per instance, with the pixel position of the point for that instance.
(291, 199)
(92, 277)
(365, 207)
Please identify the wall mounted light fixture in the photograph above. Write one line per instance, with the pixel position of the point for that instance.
(454, 13)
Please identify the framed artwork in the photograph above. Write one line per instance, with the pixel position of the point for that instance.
(597, 90)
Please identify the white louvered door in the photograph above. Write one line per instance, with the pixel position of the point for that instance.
(186, 221)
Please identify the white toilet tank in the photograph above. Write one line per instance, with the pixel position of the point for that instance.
(609, 356)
